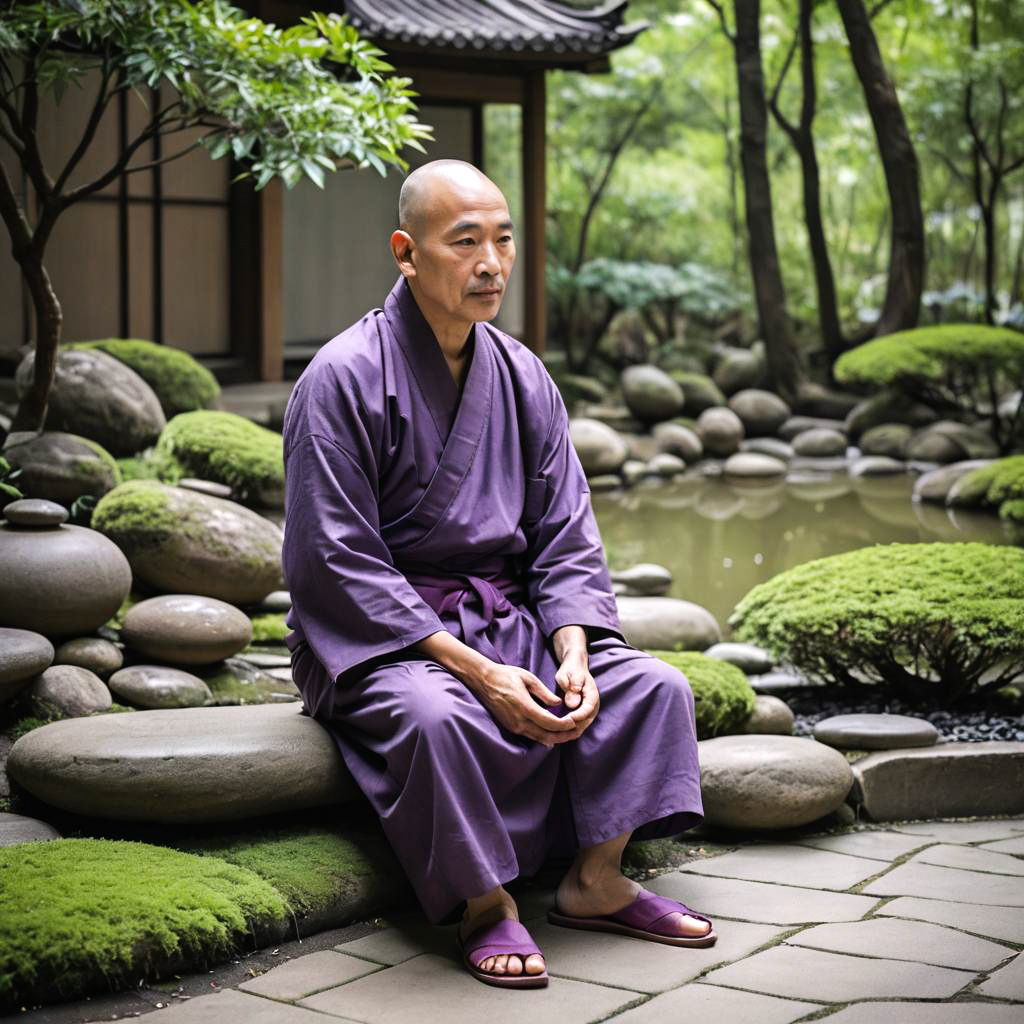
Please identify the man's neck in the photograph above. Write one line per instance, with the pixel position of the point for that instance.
(452, 335)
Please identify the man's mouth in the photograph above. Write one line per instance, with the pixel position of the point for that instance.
(487, 292)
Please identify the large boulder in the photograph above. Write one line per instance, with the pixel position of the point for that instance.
(97, 396)
(61, 467)
(770, 781)
(651, 394)
(667, 623)
(761, 412)
(600, 448)
(180, 541)
(720, 431)
(186, 629)
(184, 766)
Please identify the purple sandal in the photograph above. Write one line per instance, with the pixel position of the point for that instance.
(497, 939)
(641, 920)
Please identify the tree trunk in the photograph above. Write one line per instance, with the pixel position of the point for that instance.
(49, 317)
(783, 361)
(906, 258)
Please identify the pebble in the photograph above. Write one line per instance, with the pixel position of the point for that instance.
(35, 512)
(99, 656)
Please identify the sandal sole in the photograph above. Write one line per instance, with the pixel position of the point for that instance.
(597, 924)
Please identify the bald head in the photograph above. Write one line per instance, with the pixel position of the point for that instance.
(434, 187)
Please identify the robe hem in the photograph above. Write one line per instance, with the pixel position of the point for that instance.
(625, 824)
(397, 643)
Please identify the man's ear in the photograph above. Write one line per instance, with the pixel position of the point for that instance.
(403, 249)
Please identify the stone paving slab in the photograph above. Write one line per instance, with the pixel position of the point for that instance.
(759, 901)
(965, 831)
(960, 1012)
(885, 846)
(308, 974)
(1011, 846)
(790, 865)
(895, 939)
(971, 858)
(916, 879)
(406, 937)
(1006, 983)
(400, 995)
(638, 964)
(233, 1007)
(1005, 923)
(713, 1003)
(797, 973)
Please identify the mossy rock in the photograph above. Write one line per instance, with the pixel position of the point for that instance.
(229, 449)
(81, 915)
(700, 390)
(926, 620)
(61, 467)
(181, 384)
(992, 485)
(723, 698)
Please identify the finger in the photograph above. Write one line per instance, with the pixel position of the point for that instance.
(588, 706)
(545, 720)
(538, 689)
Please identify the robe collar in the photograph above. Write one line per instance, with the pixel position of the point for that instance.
(423, 352)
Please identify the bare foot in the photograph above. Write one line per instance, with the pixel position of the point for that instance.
(503, 963)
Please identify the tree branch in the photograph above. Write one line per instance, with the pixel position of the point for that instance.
(721, 17)
(773, 99)
(878, 8)
(102, 99)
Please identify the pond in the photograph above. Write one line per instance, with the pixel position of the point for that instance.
(719, 538)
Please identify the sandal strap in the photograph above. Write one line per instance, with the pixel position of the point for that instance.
(502, 937)
(649, 908)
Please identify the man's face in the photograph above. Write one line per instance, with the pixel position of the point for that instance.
(463, 251)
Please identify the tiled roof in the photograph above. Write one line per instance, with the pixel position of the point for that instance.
(516, 26)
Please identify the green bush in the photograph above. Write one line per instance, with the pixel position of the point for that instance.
(998, 486)
(227, 448)
(723, 699)
(953, 367)
(926, 620)
(181, 383)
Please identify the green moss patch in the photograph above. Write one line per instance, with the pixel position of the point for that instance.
(269, 628)
(137, 510)
(723, 699)
(78, 911)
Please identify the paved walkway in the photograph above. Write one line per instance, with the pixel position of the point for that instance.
(918, 922)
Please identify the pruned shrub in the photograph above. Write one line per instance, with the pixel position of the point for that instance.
(998, 486)
(722, 697)
(926, 620)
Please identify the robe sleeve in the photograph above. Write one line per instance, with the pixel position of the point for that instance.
(567, 576)
(351, 603)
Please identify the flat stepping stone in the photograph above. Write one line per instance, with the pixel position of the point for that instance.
(158, 686)
(960, 1012)
(749, 657)
(929, 881)
(788, 864)
(23, 654)
(971, 858)
(765, 782)
(306, 975)
(884, 846)
(1006, 983)
(875, 732)
(712, 1002)
(965, 831)
(230, 1006)
(35, 512)
(16, 828)
(1006, 923)
(184, 765)
(948, 780)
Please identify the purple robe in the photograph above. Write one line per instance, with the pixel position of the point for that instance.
(412, 508)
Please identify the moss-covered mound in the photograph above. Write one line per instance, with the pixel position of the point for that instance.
(227, 448)
(927, 620)
(999, 485)
(77, 911)
(723, 699)
(181, 383)
(269, 628)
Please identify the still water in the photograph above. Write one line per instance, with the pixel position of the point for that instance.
(719, 538)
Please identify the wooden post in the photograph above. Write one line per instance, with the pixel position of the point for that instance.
(534, 210)
(271, 319)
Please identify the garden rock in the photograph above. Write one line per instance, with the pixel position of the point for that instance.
(771, 716)
(753, 464)
(875, 732)
(779, 680)
(243, 681)
(739, 369)
(91, 652)
(889, 439)
(650, 393)
(16, 828)
(618, 417)
(73, 691)
(157, 686)
(276, 602)
(210, 487)
(798, 424)
(700, 391)
(720, 431)
(769, 782)
(761, 412)
(820, 442)
(666, 623)
(61, 467)
(813, 399)
(950, 441)
(35, 512)
(936, 484)
(633, 470)
(184, 766)
(186, 629)
(99, 397)
(876, 465)
(676, 439)
(768, 446)
(664, 464)
(179, 541)
(887, 407)
(644, 579)
(641, 446)
(605, 482)
(23, 654)
(599, 447)
(748, 657)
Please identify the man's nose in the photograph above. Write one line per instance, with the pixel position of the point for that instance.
(488, 262)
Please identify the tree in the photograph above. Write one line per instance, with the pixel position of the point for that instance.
(283, 102)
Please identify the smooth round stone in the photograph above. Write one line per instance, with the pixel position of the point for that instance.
(936, 484)
(186, 629)
(820, 442)
(645, 579)
(876, 465)
(262, 660)
(188, 765)
(60, 580)
(16, 828)
(772, 682)
(768, 446)
(739, 369)
(59, 466)
(720, 431)
(667, 623)
(35, 512)
(158, 686)
(604, 482)
(886, 439)
(677, 439)
(23, 654)
(748, 657)
(796, 425)
(770, 782)
(650, 393)
(633, 470)
(771, 716)
(762, 412)
(276, 602)
(211, 487)
(72, 690)
(875, 732)
(91, 652)
(664, 464)
(753, 464)
(600, 448)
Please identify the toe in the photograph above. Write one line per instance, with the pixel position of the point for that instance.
(534, 964)
(691, 927)
(501, 964)
(515, 965)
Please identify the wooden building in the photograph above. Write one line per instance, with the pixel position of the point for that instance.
(249, 281)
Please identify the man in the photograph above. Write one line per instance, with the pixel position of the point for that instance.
(448, 580)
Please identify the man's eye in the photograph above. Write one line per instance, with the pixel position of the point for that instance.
(505, 238)
(465, 241)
